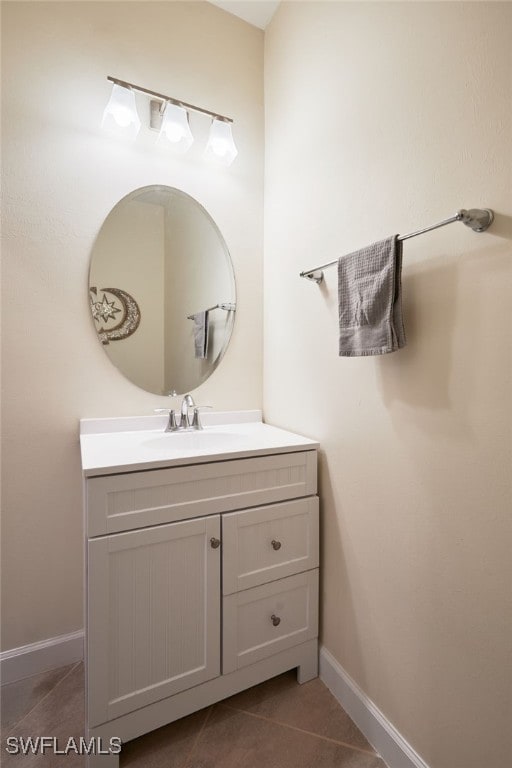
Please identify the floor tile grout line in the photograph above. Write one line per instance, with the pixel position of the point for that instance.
(301, 730)
(198, 736)
(15, 725)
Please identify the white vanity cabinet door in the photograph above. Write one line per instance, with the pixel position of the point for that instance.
(153, 615)
(269, 543)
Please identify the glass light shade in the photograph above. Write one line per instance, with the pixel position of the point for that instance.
(120, 116)
(175, 128)
(221, 146)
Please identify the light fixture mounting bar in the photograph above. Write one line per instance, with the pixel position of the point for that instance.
(164, 98)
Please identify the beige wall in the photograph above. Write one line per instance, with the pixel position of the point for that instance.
(61, 177)
(384, 118)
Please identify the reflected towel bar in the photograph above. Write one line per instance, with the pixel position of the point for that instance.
(225, 306)
(479, 219)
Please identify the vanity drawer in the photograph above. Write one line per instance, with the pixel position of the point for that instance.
(269, 543)
(138, 499)
(265, 620)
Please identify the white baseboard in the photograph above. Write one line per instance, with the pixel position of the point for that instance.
(40, 657)
(382, 735)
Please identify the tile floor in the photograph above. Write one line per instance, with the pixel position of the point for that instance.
(278, 724)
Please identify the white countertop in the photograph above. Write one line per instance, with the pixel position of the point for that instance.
(132, 444)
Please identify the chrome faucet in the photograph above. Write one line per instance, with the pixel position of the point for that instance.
(187, 402)
(184, 423)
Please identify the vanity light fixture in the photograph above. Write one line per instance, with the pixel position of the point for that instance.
(221, 146)
(120, 116)
(175, 128)
(171, 117)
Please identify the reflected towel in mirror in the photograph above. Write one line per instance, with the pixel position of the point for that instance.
(201, 334)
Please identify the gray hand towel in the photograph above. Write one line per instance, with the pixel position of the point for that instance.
(370, 300)
(201, 335)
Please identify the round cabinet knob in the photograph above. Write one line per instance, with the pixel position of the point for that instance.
(275, 544)
(275, 620)
(215, 543)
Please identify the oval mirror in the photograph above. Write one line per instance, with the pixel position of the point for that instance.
(162, 290)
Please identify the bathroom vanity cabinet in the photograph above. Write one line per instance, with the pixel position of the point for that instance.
(202, 580)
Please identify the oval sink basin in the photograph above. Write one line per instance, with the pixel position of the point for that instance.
(196, 441)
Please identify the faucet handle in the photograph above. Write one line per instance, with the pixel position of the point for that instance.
(196, 421)
(163, 410)
(171, 424)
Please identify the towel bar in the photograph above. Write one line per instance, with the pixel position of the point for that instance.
(478, 219)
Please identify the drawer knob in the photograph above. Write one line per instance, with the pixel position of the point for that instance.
(215, 543)
(275, 620)
(275, 544)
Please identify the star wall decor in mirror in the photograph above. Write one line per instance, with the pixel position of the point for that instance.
(104, 311)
